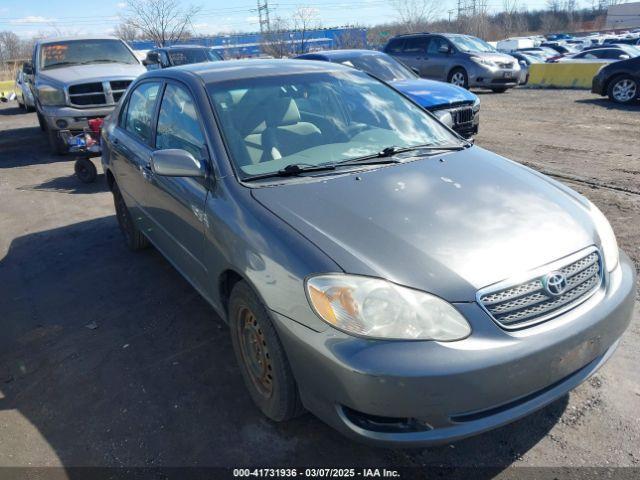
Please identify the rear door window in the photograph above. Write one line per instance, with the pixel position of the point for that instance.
(138, 117)
(416, 45)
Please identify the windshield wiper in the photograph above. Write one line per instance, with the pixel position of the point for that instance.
(393, 150)
(59, 64)
(294, 169)
(101, 60)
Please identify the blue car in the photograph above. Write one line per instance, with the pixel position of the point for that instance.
(455, 106)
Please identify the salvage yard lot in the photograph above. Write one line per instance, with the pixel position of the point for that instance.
(110, 358)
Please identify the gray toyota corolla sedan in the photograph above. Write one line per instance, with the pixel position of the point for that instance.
(374, 268)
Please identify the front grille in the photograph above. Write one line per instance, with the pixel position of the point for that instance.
(527, 303)
(462, 115)
(97, 93)
(118, 87)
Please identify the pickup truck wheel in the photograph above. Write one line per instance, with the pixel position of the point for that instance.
(56, 144)
(261, 357)
(133, 237)
(41, 122)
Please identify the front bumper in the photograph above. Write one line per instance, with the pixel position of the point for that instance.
(418, 393)
(480, 76)
(75, 119)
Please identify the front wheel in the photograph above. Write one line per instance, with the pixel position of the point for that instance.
(58, 147)
(459, 77)
(623, 89)
(261, 357)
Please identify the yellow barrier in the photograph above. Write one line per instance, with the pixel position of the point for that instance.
(562, 75)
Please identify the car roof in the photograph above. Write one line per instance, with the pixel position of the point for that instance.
(342, 54)
(76, 37)
(216, 72)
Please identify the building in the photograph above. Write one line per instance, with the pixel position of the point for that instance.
(244, 45)
(624, 15)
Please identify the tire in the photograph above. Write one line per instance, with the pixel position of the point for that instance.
(41, 122)
(458, 76)
(499, 90)
(261, 357)
(85, 170)
(56, 144)
(623, 89)
(133, 237)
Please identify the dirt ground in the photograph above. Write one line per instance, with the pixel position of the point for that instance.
(110, 358)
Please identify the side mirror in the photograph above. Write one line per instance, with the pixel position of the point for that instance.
(152, 58)
(27, 68)
(443, 49)
(174, 162)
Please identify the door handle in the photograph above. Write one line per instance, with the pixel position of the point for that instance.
(147, 173)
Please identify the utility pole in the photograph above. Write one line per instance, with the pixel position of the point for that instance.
(263, 15)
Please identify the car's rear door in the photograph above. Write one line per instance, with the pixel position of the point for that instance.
(176, 204)
(413, 53)
(131, 147)
(436, 63)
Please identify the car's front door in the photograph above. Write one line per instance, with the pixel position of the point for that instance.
(176, 204)
(131, 148)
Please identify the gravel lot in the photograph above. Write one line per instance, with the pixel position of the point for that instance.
(110, 358)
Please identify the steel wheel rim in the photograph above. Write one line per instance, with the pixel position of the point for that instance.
(255, 353)
(624, 90)
(457, 79)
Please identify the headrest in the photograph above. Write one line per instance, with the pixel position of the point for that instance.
(282, 111)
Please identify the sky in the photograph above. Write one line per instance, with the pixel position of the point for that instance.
(28, 18)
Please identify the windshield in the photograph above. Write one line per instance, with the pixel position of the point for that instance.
(467, 43)
(383, 67)
(83, 52)
(317, 118)
(192, 55)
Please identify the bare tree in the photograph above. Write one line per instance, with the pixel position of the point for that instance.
(303, 19)
(10, 46)
(163, 21)
(276, 41)
(126, 31)
(413, 14)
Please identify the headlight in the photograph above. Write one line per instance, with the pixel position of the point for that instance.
(476, 105)
(445, 117)
(376, 308)
(49, 95)
(607, 238)
(484, 61)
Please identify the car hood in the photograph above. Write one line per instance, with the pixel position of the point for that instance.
(92, 73)
(431, 94)
(447, 224)
(495, 57)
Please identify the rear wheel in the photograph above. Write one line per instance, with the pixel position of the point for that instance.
(623, 89)
(133, 237)
(458, 77)
(261, 357)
